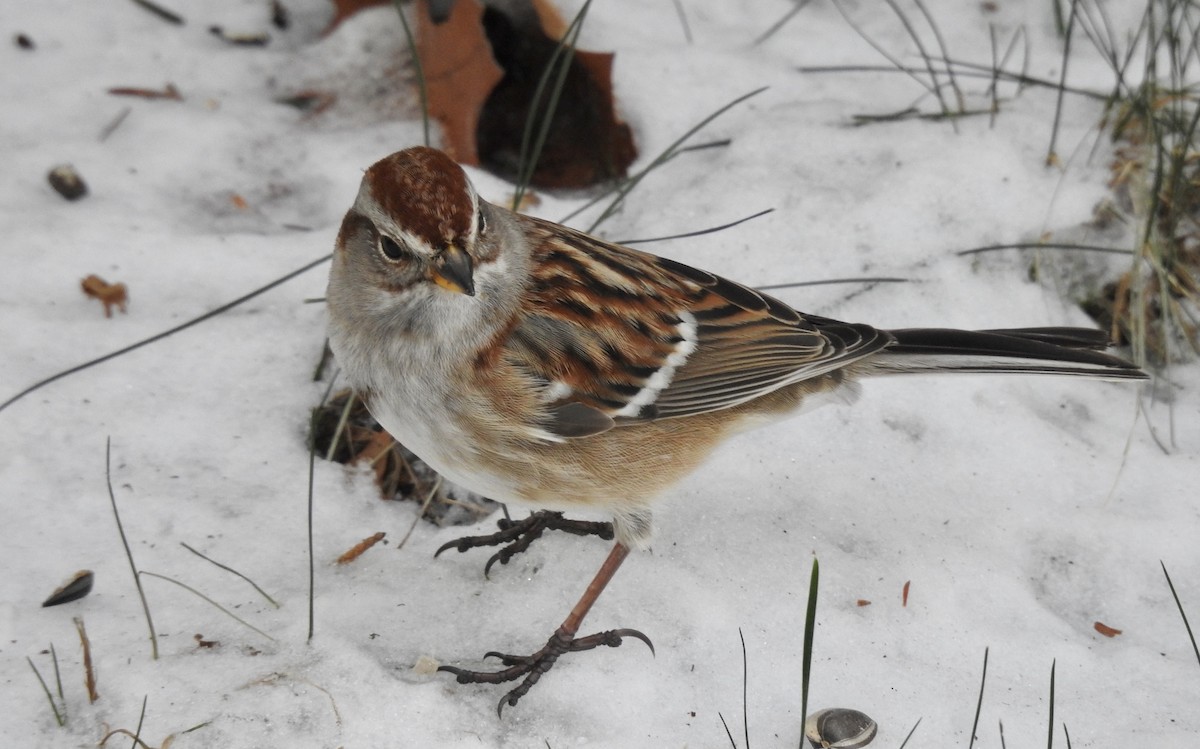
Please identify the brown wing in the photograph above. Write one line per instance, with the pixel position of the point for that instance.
(631, 336)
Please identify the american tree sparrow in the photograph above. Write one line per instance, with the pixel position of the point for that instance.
(535, 364)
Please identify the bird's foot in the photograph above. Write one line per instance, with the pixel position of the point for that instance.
(515, 536)
(532, 667)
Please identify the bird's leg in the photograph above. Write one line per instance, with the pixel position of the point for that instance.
(515, 536)
(532, 667)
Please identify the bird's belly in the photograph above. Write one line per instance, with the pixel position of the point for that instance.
(438, 440)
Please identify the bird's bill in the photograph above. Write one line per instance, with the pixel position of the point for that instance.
(453, 270)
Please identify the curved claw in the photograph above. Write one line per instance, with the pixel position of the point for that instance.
(610, 638)
(510, 660)
(638, 635)
(448, 545)
(487, 568)
(509, 699)
(461, 675)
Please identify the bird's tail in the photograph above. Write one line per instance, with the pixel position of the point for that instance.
(1060, 351)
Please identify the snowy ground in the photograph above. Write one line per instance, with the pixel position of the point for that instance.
(1022, 510)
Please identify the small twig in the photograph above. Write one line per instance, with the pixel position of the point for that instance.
(910, 733)
(166, 15)
(141, 721)
(424, 506)
(1182, 613)
(1051, 154)
(941, 41)
(667, 154)
(253, 584)
(698, 233)
(683, 21)
(614, 187)
(343, 419)
(727, 731)
(745, 685)
(798, 5)
(1044, 246)
(89, 673)
(878, 48)
(994, 88)
(111, 127)
(1050, 722)
(979, 702)
(221, 608)
(312, 467)
(125, 542)
(167, 92)
(831, 281)
(935, 86)
(125, 732)
(326, 352)
(980, 71)
(360, 548)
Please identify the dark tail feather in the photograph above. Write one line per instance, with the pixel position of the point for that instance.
(1073, 351)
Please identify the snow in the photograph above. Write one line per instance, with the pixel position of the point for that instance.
(1022, 510)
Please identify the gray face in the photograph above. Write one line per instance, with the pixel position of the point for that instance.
(419, 255)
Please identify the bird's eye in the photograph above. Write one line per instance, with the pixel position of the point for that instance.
(481, 223)
(390, 248)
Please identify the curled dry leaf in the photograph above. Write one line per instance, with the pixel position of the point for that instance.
(460, 73)
(109, 294)
(1106, 630)
(862, 602)
(904, 596)
(359, 548)
(483, 64)
(77, 587)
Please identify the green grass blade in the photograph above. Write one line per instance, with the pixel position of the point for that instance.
(979, 703)
(810, 621)
(58, 717)
(1050, 731)
(58, 681)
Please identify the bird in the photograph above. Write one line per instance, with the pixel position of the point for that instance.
(535, 364)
